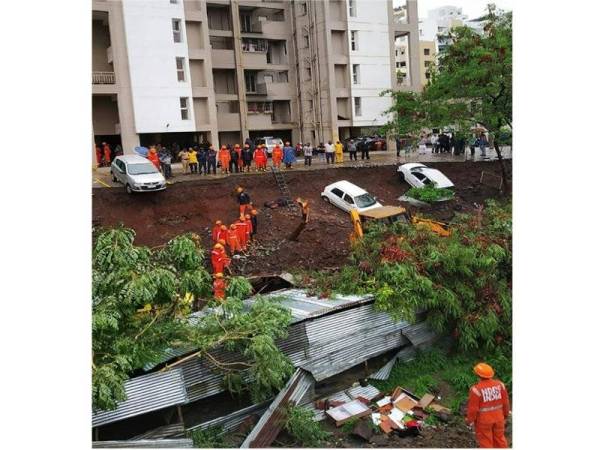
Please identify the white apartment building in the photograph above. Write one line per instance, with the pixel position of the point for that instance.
(220, 71)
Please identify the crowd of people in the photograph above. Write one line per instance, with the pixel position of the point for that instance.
(105, 154)
(232, 239)
(450, 143)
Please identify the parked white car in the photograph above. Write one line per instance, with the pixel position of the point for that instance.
(270, 143)
(137, 174)
(348, 196)
(419, 175)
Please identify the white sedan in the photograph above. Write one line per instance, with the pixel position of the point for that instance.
(348, 196)
(419, 175)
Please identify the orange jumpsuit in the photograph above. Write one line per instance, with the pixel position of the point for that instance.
(240, 227)
(219, 287)
(153, 157)
(240, 161)
(232, 240)
(224, 158)
(216, 259)
(98, 156)
(248, 224)
(222, 233)
(260, 158)
(215, 233)
(488, 407)
(277, 156)
(106, 150)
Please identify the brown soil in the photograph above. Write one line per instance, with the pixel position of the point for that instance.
(194, 206)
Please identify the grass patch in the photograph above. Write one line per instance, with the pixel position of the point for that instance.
(429, 194)
(212, 437)
(305, 431)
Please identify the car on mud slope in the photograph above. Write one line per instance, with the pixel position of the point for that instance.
(419, 175)
(137, 174)
(348, 196)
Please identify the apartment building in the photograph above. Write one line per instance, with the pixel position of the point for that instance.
(221, 71)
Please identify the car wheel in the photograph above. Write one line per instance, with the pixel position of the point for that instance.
(324, 197)
(128, 189)
(401, 175)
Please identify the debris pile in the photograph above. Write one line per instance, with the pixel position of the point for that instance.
(399, 412)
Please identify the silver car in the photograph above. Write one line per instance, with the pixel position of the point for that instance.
(137, 174)
(270, 143)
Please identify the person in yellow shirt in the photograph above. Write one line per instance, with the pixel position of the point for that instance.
(193, 161)
(339, 152)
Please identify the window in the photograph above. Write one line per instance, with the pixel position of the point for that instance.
(250, 81)
(180, 64)
(183, 104)
(246, 23)
(428, 75)
(303, 10)
(357, 107)
(402, 63)
(426, 52)
(337, 192)
(310, 105)
(308, 73)
(355, 73)
(174, 2)
(306, 41)
(352, 7)
(397, 65)
(396, 52)
(354, 40)
(427, 63)
(176, 30)
(348, 199)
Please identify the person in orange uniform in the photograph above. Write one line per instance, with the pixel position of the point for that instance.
(106, 150)
(222, 233)
(487, 408)
(260, 159)
(216, 258)
(254, 220)
(219, 287)
(240, 228)
(248, 222)
(232, 239)
(240, 161)
(224, 158)
(243, 200)
(153, 157)
(277, 156)
(98, 156)
(215, 231)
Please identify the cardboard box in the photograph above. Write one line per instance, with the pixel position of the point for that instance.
(426, 400)
(347, 411)
(405, 403)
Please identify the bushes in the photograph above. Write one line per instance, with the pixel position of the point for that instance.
(301, 426)
(429, 194)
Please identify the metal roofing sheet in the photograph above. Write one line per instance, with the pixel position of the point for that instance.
(148, 443)
(231, 422)
(145, 394)
(161, 432)
(419, 333)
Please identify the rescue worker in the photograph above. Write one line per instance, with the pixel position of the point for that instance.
(246, 157)
(222, 233)
(238, 158)
(248, 222)
(260, 159)
(215, 231)
(224, 158)
(277, 156)
(243, 199)
(240, 228)
(184, 156)
(232, 239)
(193, 160)
(219, 287)
(211, 157)
(106, 150)
(254, 219)
(98, 156)
(216, 258)
(153, 157)
(339, 152)
(487, 408)
(202, 155)
(289, 155)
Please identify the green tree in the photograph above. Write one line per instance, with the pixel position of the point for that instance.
(141, 300)
(472, 84)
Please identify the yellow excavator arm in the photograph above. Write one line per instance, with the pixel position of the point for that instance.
(356, 223)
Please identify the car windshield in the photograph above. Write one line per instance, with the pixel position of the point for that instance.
(364, 201)
(274, 141)
(141, 169)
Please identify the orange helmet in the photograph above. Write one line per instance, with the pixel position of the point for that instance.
(247, 216)
(232, 226)
(218, 222)
(222, 242)
(483, 370)
(218, 245)
(223, 227)
(218, 275)
(237, 146)
(254, 212)
(223, 147)
(239, 189)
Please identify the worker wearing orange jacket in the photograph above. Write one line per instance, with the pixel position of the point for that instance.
(248, 222)
(224, 158)
(240, 161)
(219, 286)
(232, 240)
(215, 231)
(153, 157)
(277, 156)
(218, 258)
(487, 408)
(98, 156)
(243, 199)
(240, 228)
(222, 233)
(106, 150)
(260, 159)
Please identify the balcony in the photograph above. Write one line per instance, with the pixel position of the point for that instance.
(222, 59)
(259, 121)
(270, 27)
(254, 60)
(274, 91)
(228, 121)
(109, 55)
(103, 78)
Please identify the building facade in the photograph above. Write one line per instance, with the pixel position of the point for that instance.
(220, 71)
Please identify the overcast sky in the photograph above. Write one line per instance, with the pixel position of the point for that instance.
(472, 8)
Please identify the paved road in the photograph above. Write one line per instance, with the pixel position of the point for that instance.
(101, 176)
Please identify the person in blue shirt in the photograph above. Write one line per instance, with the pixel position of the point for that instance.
(289, 155)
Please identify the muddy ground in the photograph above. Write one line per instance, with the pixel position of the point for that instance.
(194, 206)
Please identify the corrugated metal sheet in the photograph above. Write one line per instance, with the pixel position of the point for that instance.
(419, 334)
(404, 355)
(270, 424)
(149, 443)
(232, 422)
(145, 394)
(161, 432)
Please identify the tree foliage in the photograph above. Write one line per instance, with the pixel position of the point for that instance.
(306, 431)
(141, 301)
(462, 282)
